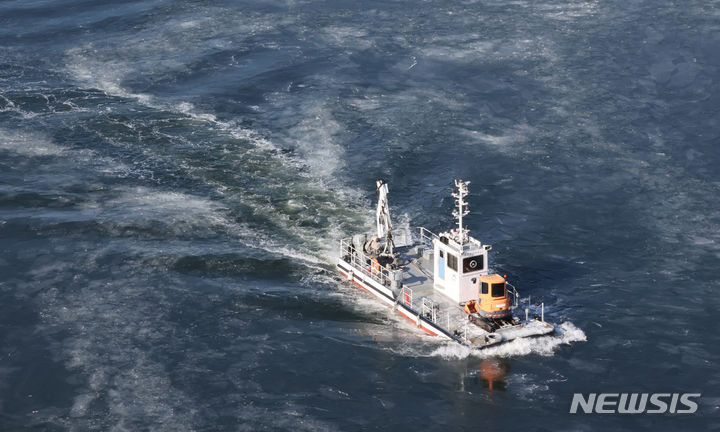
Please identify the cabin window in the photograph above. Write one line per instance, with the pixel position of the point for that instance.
(452, 262)
(442, 254)
(473, 264)
(484, 288)
(498, 290)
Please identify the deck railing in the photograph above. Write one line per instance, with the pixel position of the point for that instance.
(405, 297)
(358, 259)
(513, 293)
(428, 309)
(427, 237)
(426, 306)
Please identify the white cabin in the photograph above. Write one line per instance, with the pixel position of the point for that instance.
(457, 266)
(459, 258)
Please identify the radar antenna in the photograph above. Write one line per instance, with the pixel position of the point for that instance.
(462, 209)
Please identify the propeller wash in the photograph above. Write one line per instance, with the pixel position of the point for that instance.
(442, 282)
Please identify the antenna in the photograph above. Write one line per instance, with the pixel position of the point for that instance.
(462, 208)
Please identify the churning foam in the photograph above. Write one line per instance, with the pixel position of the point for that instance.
(317, 160)
(28, 143)
(565, 334)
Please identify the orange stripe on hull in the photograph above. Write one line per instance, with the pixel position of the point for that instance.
(420, 326)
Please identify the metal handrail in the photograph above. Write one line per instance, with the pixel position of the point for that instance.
(427, 236)
(512, 290)
(358, 259)
(401, 297)
(429, 306)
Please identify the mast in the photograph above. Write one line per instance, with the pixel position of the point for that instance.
(384, 226)
(462, 209)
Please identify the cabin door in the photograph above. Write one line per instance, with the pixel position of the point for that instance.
(441, 266)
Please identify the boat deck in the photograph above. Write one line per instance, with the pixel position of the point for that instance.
(418, 282)
(426, 306)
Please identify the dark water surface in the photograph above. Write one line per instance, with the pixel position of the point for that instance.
(174, 176)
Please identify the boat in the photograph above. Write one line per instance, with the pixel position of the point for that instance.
(441, 282)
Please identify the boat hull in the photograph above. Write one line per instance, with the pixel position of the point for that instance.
(404, 307)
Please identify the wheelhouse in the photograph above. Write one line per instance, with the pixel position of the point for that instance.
(493, 297)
